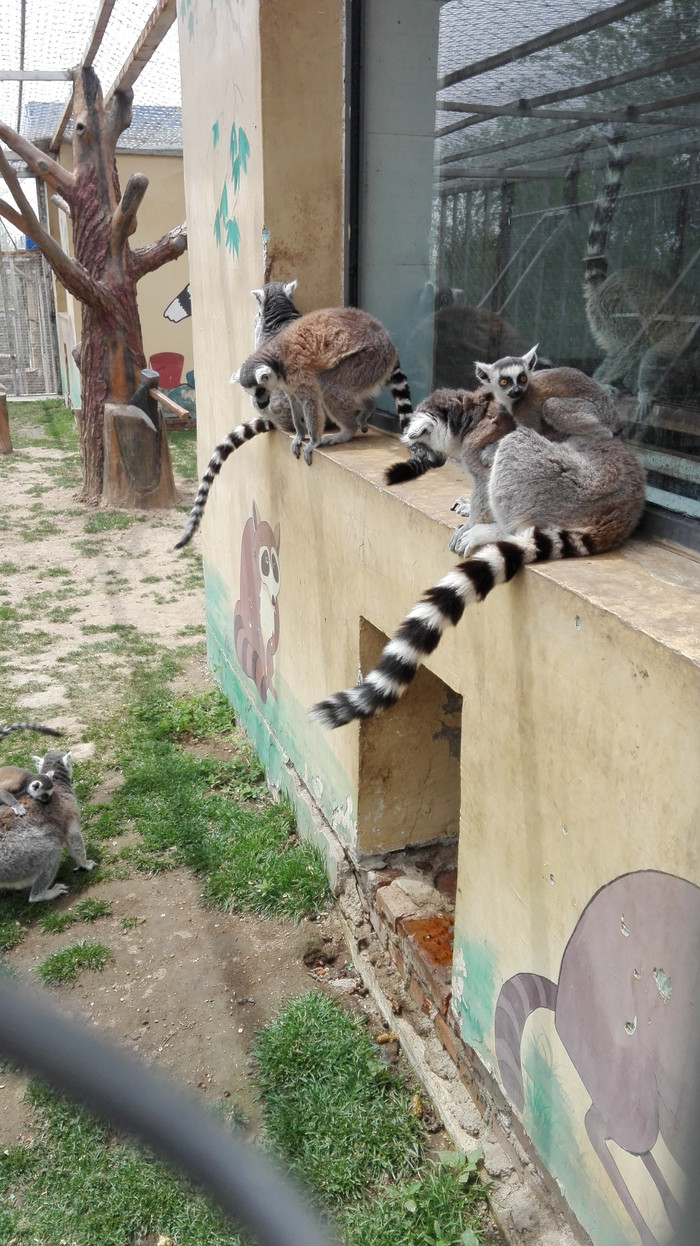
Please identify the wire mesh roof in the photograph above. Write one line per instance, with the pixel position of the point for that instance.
(35, 35)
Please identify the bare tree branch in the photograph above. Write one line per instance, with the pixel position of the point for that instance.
(118, 114)
(170, 247)
(124, 219)
(41, 165)
(12, 216)
(73, 276)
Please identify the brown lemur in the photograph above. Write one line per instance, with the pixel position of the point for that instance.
(545, 500)
(327, 365)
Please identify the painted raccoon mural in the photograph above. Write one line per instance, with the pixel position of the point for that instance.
(626, 1009)
(256, 624)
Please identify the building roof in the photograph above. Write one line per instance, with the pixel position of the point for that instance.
(154, 127)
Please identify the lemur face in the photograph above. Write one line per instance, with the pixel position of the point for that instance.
(259, 382)
(40, 789)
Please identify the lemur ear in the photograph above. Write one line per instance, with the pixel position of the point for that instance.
(263, 373)
(530, 359)
(235, 377)
(37, 762)
(259, 295)
(290, 287)
(483, 372)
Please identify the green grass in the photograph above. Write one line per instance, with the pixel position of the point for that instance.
(68, 962)
(334, 1114)
(109, 520)
(87, 910)
(342, 1122)
(78, 1184)
(183, 452)
(214, 816)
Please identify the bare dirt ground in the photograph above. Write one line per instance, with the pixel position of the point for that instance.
(186, 986)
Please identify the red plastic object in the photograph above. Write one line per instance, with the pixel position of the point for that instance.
(168, 365)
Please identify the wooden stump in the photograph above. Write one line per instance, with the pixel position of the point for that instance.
(138, 470)
(5, 439)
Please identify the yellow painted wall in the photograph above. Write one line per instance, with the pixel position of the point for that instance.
(577, 735)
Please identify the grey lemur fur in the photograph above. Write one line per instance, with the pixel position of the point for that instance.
(639, 318)
(31, 849)
(527, 395)
(548, 500)
(28, 727)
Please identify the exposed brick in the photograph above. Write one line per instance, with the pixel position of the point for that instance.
(418, 995)
(372, 880)
(446, 1036)
(393, 903)
(427, 948)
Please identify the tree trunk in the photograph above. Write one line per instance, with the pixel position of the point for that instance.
(103, 277)
(5, 439)
(111, 354)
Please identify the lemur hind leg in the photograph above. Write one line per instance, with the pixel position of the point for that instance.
(579, 417)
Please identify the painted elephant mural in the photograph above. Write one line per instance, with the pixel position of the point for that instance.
(626, 1010)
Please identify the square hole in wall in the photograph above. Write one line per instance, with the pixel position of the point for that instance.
(409, 761)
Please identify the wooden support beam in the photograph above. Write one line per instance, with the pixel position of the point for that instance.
(35, 75)
(150, 39)
(5, 438)
(103, 15)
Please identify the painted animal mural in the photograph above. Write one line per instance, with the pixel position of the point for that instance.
(256, 625)
(626, 1009)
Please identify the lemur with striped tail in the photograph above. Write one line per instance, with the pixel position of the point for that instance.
(325, 365)
(31, 849)
(525, 394)
(276, 309)
(643, 321)
(545, 500)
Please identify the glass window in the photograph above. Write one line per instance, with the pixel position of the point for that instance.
(529, 174)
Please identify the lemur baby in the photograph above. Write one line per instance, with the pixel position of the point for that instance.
(30, 850)
(525, 394)
(548, 500)
(16, 782)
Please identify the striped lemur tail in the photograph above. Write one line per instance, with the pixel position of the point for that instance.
(518, 997)
(442, 606)
(28, 727)
(235, 439)
(400, 392)
(421, 461)
(596, 264)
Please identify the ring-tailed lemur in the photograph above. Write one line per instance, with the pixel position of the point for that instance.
(641, 320)
(31, 849)
(329, 362)
(277, 313)
(276, 309)
(548, 500)
(28, 727)
(525, 394)
(16, 782)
